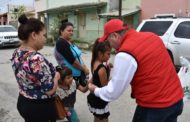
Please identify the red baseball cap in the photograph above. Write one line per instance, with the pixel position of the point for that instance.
(112, 26)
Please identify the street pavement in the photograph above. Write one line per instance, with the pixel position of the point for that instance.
(121, 109)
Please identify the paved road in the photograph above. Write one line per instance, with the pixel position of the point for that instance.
(121, 110)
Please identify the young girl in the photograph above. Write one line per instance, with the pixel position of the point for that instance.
(100, 73)
(67, 91)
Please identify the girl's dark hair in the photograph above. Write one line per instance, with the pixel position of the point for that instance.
(98, 47)
(28, 26)
(64, 24)
(64, 71)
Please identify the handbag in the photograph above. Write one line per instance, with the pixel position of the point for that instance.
(82, 79)
(60, 108)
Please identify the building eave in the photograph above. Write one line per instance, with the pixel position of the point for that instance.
(125, 12)
(74, 7)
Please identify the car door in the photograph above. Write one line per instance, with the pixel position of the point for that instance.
(180, 39)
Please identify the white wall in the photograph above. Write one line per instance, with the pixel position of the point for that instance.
(40, 5)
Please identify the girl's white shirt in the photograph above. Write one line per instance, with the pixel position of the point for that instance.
(62, 93)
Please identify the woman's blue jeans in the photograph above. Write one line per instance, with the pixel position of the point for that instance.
(168, 114)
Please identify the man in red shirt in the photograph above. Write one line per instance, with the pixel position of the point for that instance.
(142, 61)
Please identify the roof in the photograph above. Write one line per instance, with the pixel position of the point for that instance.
(3, 14)
(124, 12)
(76, 6)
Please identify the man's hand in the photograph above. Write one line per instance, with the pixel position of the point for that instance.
(91, 87)
(110, 65)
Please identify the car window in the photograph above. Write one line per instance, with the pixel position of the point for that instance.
(7, 29)
(157, 27)
(183, 30)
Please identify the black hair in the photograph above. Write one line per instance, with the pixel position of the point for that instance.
(28, 26)
(98, 47)
(64, 24)
(64, 71)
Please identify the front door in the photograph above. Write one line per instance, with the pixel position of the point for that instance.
(82, 25)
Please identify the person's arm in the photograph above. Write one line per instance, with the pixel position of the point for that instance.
(63, 47)
(124, 69)
(83, 88)
(82, 67)
(103, 76)
(43, 76)
(55, 80)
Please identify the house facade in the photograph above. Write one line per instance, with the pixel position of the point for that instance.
(130, 11)
(3, 19)
(13, 11)
(181, 8)
(82, 13)
(87, 16)
(39, 7)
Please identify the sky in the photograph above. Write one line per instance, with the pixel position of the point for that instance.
(4, 3)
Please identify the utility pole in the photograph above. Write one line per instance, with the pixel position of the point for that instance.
(120, 9)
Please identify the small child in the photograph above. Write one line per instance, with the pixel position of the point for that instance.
(100, 76)
(67, 91)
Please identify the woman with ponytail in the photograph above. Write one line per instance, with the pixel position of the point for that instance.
(36, 77)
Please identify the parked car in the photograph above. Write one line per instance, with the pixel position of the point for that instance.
(175, 33)
(8, 36)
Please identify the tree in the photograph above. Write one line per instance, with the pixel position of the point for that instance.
(17, 11)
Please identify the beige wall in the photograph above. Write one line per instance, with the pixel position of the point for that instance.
(40, 5)
(128, 4)
(151, 7)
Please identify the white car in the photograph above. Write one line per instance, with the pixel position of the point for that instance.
(175, 33)
(8, 36)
